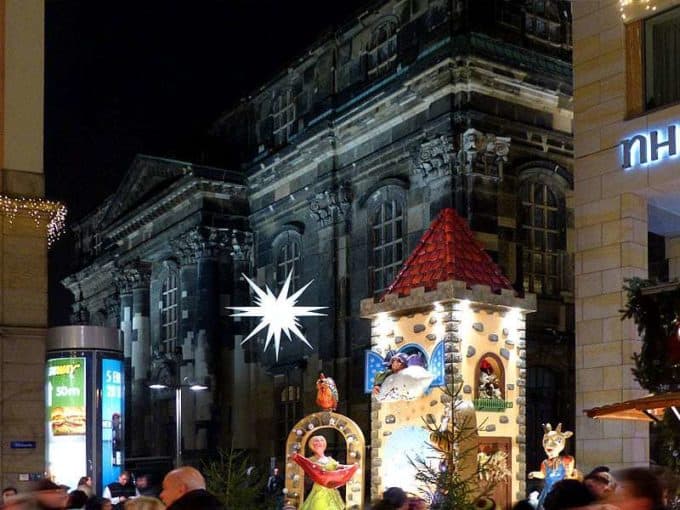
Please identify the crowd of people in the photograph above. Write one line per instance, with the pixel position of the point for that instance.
(183, 489)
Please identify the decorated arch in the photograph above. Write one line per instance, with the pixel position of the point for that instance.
(298, 437)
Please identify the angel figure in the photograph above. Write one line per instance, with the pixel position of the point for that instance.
(405, 379)
(327, 473)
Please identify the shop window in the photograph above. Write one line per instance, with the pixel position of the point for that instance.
(169, 319)
(387, 243)
(543, 239)
(283, 116)
(662, 66)
(490, 378)
(288, 256)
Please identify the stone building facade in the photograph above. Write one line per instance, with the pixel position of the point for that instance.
(626, 203)
(24, 219)
(349, 153)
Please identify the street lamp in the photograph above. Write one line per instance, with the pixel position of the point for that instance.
(193, 386)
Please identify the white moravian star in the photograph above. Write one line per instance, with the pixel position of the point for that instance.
(277, 313)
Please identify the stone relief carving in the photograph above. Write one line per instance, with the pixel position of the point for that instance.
(331, 205)
(200, 242)
(134, 275)
(483, 154)
(433, 158)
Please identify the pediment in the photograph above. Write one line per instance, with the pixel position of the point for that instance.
(145, 176)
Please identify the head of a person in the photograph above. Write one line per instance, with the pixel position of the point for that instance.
(600, 483)
(396, 498)
(398, 362)
(180, 481)
(144, 503)
(318, 445)
(523, 504)
(637, 489)
(98, 503)
(85, 480)
(50, 495)
(124, 478)
(8, 492)
(77, 499)
(142, 481)
(568, 494)
(275, 471)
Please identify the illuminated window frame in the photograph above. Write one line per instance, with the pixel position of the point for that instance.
(288, 250)
(169, 313)
(542, 231)
(283, 116)
(387, 228)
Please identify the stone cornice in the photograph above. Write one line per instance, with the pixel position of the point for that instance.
(376, 115)
(175, 195)
(479, 295)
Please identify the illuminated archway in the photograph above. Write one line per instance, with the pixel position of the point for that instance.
(311, 425)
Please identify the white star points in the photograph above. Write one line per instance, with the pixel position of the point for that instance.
(277, 313)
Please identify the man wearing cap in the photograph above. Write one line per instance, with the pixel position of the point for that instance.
(397, 363)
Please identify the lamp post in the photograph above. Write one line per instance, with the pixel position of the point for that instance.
(193, 386)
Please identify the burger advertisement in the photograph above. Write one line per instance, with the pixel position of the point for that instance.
(66, 396)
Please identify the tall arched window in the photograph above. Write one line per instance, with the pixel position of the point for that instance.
(287, 249)
(169, 317)
(283, 116)
(387, 243)
(382, 50)
(542, 213)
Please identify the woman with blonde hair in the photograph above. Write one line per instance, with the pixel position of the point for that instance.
(144, 503)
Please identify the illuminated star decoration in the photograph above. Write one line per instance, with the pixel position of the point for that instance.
(278, 313)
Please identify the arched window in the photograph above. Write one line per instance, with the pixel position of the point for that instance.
(382, 50)
(542, 229)
(283, 116)
(287, 249)
(490, 378)
(169, 318)
(387, 225)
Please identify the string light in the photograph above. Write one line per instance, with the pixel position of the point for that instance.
(39, 209)
(625, 7)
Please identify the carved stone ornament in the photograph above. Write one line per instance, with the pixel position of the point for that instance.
(241, 245)
(134, 275)
(331, 205)
(483, 154)
(433, 158)
(201, 242)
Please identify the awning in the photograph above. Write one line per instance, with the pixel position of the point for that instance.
(649, 408)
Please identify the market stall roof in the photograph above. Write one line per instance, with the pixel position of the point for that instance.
(649, 408)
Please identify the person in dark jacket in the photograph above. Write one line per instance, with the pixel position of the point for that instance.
(184, 489)
(119, 492)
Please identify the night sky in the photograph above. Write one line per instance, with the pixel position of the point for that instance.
(149, 77)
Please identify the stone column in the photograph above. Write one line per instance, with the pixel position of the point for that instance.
(134, 280)
(206, 244)
(611, 245)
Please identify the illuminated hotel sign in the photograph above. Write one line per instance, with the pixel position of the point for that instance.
(649, 147)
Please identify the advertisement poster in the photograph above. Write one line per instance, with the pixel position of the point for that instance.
(112, 423)
(66, 418)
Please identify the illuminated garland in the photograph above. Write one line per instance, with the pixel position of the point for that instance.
(649, 5)
(38, 209)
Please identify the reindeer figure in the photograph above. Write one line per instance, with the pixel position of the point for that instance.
(555, 467)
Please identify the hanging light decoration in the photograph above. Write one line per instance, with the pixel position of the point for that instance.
(41, 211)
(630, 8)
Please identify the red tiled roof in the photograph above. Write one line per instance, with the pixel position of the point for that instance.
(448, 251)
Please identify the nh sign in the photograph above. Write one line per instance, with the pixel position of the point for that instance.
(649, 147)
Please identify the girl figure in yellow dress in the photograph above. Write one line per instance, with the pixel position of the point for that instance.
(327, 473)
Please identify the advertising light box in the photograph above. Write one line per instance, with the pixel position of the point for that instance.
(112, 419)
(66, 415)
